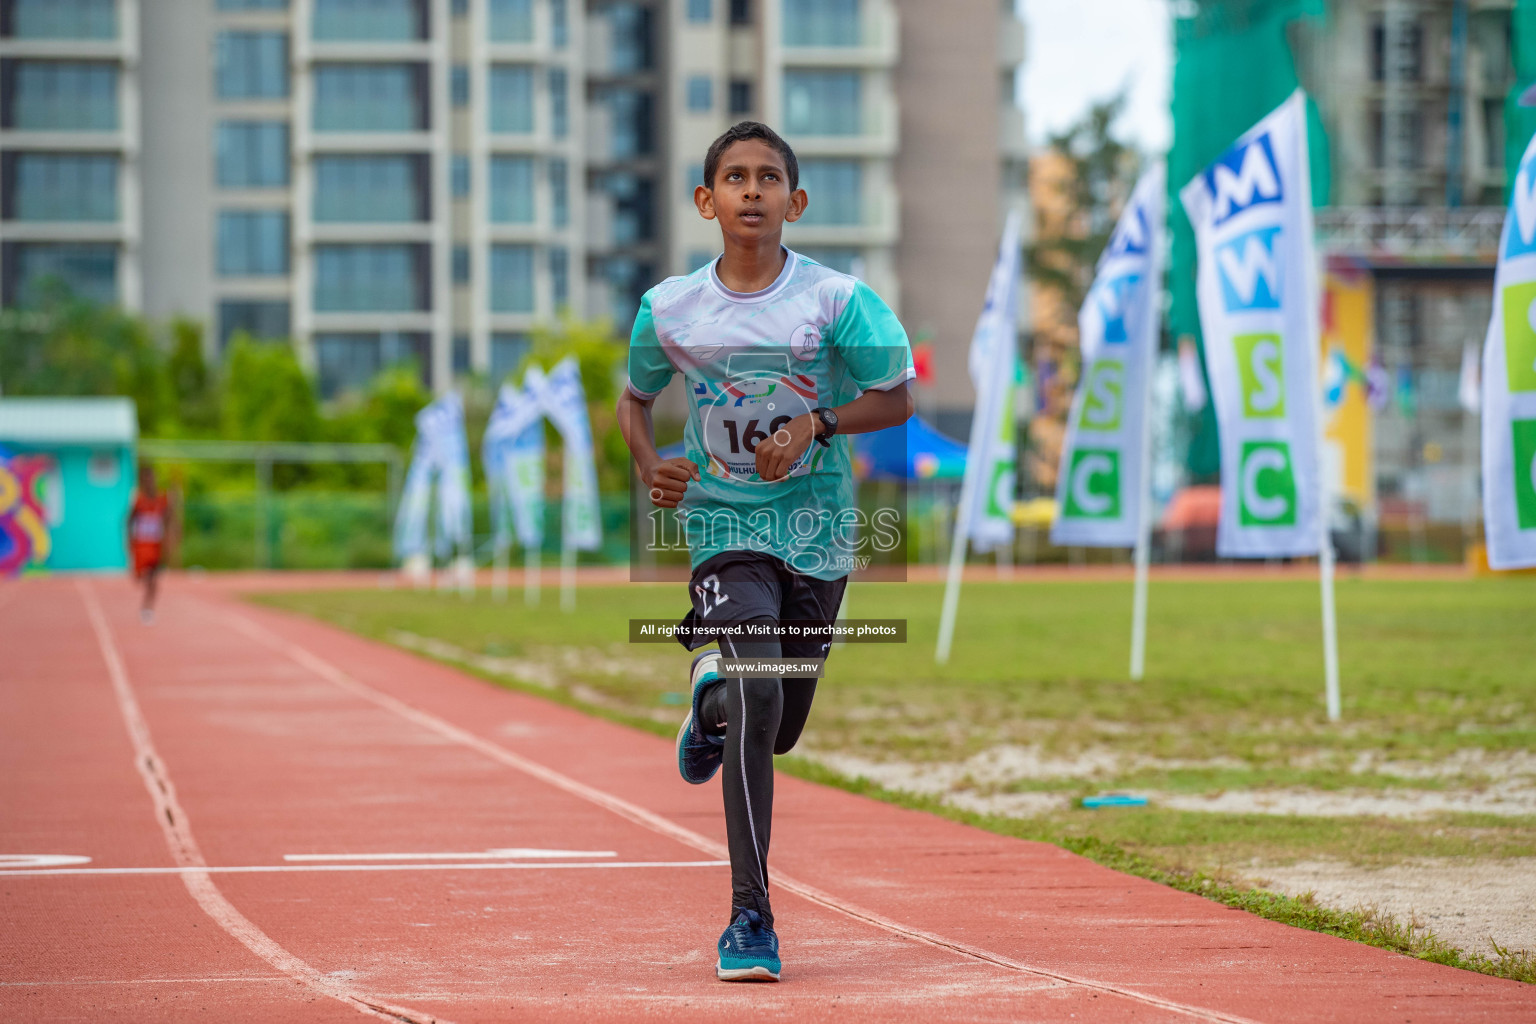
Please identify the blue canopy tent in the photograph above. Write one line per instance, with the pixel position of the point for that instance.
(912, 451)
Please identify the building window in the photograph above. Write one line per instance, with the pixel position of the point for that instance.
(835, 188)
(698, 11)
(511, 21)
(629, 48)
(461, 264)
(694, 180)
(560, 275)
(1493, 134)
(511, 106)
(252, 154)
(634, 208)
(253, 5)
(741, 97)
(252, 65)
(459, 175)
(821, 103)
(821, 22)
(370, 98)
(371, 188)
(348, 362)
(559, 193)
(371, 278)
(370, 20)
(62, 19)
(839, 259)
(459, 8)
(261, 319)
(559, 24)
(512, 190)
(507, 353)
(630, 112)
(741, 12)
(458, 85)
(32, 269)
(701, 93)
(59, 95)
(253, 242)
(1411, 59)
(461, 361)
(512, 279)
(559, 103)
(627, 281)
(59, 186)
(699, 258)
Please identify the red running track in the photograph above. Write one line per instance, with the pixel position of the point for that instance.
(288, 823)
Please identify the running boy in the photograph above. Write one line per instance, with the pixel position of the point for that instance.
(781, 357)
(149, 523)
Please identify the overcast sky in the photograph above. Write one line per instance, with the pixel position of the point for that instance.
(1080, 51)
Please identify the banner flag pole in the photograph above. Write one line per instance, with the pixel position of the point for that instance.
(952, 579)
(1252, 214)
(990, 457)
(1104, 479)
(499, 574)
(567, 577)
(531, 576)
(1143, 535)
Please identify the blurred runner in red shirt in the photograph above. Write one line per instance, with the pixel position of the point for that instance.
(149, 522)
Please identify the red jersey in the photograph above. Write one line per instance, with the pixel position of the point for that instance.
(148, 520)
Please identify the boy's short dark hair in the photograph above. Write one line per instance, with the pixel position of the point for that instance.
(740, 132)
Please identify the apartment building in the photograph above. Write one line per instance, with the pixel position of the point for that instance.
(1415, 94)
(430, 180)
(70, 148)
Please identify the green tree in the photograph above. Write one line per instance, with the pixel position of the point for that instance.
(1104, 170)
(265, 395)
(192, 384)
(68, 347)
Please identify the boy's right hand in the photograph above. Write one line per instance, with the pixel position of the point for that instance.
(668, 481)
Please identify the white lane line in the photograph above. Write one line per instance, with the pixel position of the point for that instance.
(662, 826)
(177, 829)
(267, 869)
(511, 853)
(40, 860)
(260, 979)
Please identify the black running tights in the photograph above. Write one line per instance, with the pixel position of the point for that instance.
(760, 718)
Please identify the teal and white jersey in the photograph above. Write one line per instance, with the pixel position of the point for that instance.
(752, 363)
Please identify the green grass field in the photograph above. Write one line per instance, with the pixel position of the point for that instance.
(1439, 686)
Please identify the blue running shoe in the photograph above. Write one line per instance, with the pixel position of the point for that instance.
(698, 755)
(749, 950)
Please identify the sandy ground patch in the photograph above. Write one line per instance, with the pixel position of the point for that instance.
(975, 783)
(1463, 902)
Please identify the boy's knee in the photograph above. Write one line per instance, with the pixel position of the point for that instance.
(763, 699)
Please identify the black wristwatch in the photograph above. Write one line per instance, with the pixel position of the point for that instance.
(828, 423)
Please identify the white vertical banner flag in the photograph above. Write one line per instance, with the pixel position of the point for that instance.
(992, 458)
(565, 403)
(1257, 289)
(1509, 384)
(1099, 488)
(513, 455)
(440, 455)
(984, 517)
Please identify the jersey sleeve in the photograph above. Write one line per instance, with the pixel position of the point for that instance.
(872, 342)
(649, 367)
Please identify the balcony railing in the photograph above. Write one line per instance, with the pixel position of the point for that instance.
(1414, 234)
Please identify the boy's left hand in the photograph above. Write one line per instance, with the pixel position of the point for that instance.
(775, 459)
